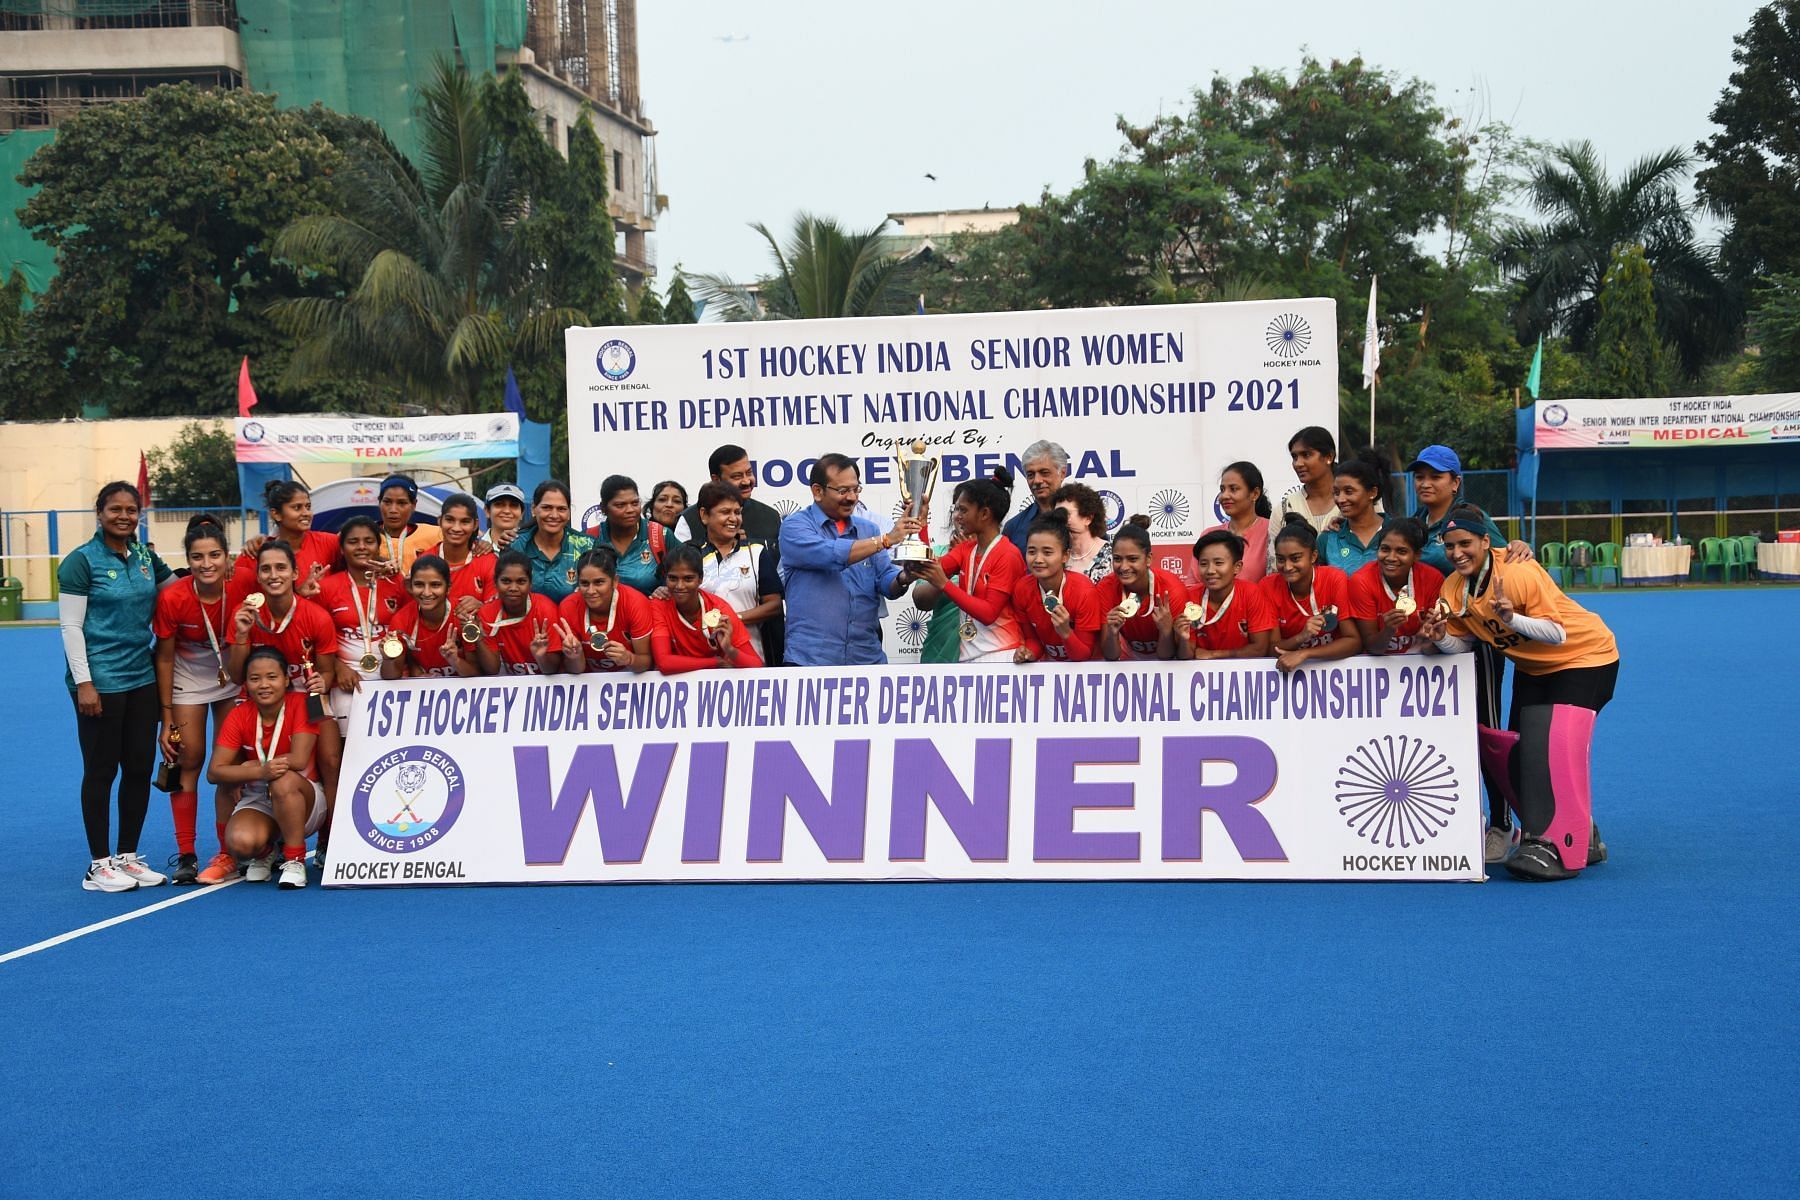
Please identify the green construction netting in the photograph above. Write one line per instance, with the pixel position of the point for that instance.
(17, 247)
(369, 56)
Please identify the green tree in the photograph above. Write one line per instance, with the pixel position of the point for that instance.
(1775, 332)
(440, 291)
(1752, 175)
(198, 468)
(161, 212)
(824, 270)
(1560, 263)
(678, 306)
(649, 309)
(1628, 350)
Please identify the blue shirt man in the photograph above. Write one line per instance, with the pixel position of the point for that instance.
(1046, 466)
(837, 573)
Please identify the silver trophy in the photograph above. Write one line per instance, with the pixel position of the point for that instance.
(918, 475)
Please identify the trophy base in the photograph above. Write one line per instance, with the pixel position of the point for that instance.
(911, 550)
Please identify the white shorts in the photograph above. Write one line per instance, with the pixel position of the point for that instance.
(255, 798)
(195, 685)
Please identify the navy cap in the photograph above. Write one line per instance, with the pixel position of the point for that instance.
(1438, 458)
(505, 491)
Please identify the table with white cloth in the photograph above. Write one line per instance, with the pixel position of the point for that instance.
(1654, 564)
(1779, 561)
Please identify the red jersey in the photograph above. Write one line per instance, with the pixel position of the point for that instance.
(1370, 597)
(244, 730)
(679, 645)
(473, 577)
(626, 619)
(307, 634)
(1138, 636)
(987, 597)
(511, 636)
(425, 642)
(1246, 612)
(339, 595)
(1330, 593)
(183, 617)
(313, 548)
(1080, 597)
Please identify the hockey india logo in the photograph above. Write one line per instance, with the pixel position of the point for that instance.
(1397, 792)
(408, 800)
(616, 360)
(1288, 335)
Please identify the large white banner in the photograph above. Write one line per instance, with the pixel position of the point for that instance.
(1667, 421)
(1361, 770)
(383, 441)
(1151, 403)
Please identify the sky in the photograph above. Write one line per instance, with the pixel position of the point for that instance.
(842, 109)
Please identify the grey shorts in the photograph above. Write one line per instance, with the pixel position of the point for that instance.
(255, 798)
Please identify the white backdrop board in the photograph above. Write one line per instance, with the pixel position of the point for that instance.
(1359, 770)
(1151, 403)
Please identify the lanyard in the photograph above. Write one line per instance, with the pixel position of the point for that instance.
(439, 629)
(677, 609)
(265, 756)
(1058, 593)
(1223, 608)
(976, 561)
(612, 611)
(362, 612)
(1312, 598)
(505, 621)
(1409, 590)
(395, 546)
(278, 630)
(206, 621)
(1470, 592)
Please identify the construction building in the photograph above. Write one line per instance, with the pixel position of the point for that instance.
(365, 57)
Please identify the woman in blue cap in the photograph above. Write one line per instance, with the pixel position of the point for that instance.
(1437, 481)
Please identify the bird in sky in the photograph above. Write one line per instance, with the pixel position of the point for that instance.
(729, 38)
(931, 177)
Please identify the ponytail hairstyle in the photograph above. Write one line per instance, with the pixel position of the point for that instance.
(1298, 529)
(1253, 479)
(202, 526)
(277, 546)
(612, 485)
(352, 524)
(1055, 523)
(272, 654)
(1136, 531)
(1314, 437)
(404, 482)
(993, 494)
(465, 502)
(1467, 516)
(1410, 528)
(113, 489)
(684, 555)
(278, 493)
(603, 557)
(512, 558)
(545, 487)
(1369, 467)
(429, 562)
(1234, 545)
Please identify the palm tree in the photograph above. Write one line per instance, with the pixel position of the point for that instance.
(824, 271)
(440, 293)
(1560, 263)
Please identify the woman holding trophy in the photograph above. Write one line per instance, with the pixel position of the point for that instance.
(978, 575)
(696, 631)
(606, 625)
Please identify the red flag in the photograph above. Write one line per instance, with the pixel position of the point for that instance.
(143, 482)
(246, 393)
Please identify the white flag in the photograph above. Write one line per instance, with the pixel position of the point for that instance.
(1371, 343)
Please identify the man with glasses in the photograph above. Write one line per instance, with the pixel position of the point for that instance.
(835, 565)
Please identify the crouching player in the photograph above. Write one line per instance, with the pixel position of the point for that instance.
(1567, 665)
(266, 748)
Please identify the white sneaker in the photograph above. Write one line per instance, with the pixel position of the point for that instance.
(102, 876)
(293, 874)
(1502, 842)
(137, 869)
(258, 870)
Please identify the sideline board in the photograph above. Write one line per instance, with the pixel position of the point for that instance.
(1152, 403)
(1363, 769)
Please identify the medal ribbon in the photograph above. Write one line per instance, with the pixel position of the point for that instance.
(278, 630)
(266, 756)
(1223, 608)
(212, 637)
(612, 612)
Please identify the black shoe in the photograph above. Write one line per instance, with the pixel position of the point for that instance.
(187, 869)
(1538, 862)
(1596, 847)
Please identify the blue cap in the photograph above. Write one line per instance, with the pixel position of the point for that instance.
(1438, 458)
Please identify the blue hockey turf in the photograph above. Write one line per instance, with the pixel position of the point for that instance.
(1631, 1033)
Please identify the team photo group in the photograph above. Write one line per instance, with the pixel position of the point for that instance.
(238, 666)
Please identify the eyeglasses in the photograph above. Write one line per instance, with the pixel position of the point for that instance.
(854, 489)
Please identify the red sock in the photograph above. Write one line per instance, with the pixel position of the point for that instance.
(186, 807)
(294, 853)
(220, 826)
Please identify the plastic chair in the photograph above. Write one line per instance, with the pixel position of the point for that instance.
(1554, 558)
(1748, 543)
(1581, 561)
(1606, 558)
(1712, 554)
(1734, 558)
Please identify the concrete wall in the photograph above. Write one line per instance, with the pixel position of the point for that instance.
(75, 51)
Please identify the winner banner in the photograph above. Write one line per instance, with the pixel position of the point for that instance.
(1151, 403)
(1361, 770)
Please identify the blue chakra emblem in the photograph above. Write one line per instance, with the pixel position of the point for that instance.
(1397, 791)
(1169, 509)
(909, 627)
(1288, 335)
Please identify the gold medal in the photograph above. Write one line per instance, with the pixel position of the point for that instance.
(254, 601)
(1405, 605)
(392, 646)
(711, 619)
(597, 641)
(368, 662)
(1130, 603)
(471, 632)
(1193, 612)
(967, 629)
(224, 677)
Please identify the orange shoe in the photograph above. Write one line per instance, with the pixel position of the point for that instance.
(222, 869)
